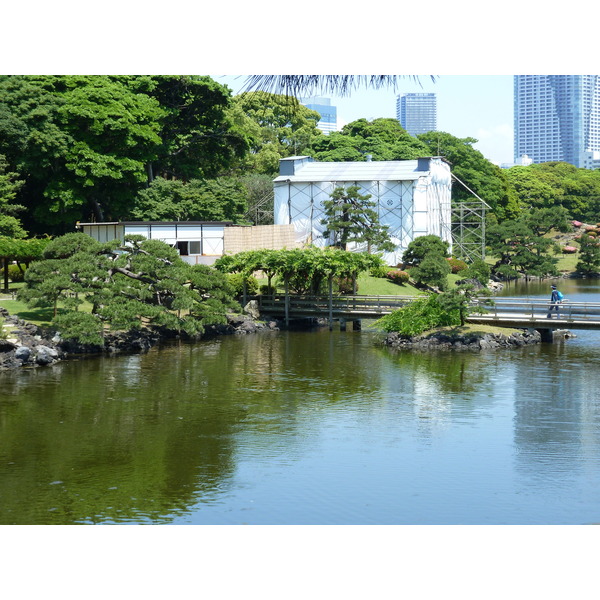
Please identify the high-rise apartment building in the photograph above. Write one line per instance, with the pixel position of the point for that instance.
(328, 122)
(417, 113)
(557, 118)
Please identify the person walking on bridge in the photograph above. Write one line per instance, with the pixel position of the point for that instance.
(555, 300)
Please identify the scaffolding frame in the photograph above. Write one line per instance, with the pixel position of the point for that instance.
(468, 227)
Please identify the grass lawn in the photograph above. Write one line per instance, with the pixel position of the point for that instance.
(38, 316)
(472, 328)
(377, 286)
(567, 262)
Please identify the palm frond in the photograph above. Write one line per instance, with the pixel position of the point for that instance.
(307, 85)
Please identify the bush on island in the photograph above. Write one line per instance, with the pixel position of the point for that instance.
(457, 265)
(399, 277)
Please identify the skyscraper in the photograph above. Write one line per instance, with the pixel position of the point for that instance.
(417, 113)
(557, 118)
(328, 122)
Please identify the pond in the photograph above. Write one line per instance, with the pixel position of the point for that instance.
(312, 427)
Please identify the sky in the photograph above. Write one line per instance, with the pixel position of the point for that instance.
(476, 106)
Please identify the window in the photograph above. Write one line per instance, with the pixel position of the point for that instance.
(187, 248)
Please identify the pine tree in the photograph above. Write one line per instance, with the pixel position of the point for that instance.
(351, 217)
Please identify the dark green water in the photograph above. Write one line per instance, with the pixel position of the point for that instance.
(307, 428)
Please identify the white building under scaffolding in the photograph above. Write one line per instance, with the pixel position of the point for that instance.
(412, 197)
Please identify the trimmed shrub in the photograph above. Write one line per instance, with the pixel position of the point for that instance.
(569, 249)
(478, 270)
(576, 223)
(236, 280)
(15, 274)
(267, 290)
(457, 265)
(418, 316)
(380, 271)
(344, 285)
(399, 277)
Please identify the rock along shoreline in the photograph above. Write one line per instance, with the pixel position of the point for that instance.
(444, 340)
(27, 345)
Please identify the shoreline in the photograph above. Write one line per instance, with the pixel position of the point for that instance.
(29, 346)
(455, 340)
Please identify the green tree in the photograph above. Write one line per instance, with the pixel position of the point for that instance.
(477, 173)
(558, 185)
(433, 271)
(351, 217)
(423, 246)
(520, 250)
(10, 226)
(303, 270)
(533, 190)
(419, 316)
(87, 144)
(460, 300)
(260, 197)
(199, 137)
(542, 221)
(589, 255)
(222, 199)
(478, 270)
(23, 251)
(142, 283)
(382, 139)
(279, 126)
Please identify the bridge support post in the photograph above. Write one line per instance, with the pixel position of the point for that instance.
(342, 324)
(356, 325)
(547, 335)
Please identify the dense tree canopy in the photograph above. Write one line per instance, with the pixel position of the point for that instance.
(10, 225)
(382, 139)
(279, 125)
(302, 270)
(480, 175)
(129, 286)
(521, 248)
(222, 199)
(85, 145)
(555, 184)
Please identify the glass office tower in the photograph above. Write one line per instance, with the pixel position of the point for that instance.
(328, 122)
(557, 117)
(417, 113)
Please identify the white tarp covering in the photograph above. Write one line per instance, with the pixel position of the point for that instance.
(413, 198)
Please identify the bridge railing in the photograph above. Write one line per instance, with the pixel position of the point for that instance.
(538, 309)
(323, 303)
(506, 308)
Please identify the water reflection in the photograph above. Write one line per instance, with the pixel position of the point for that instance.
(319, 427)
(557, 415)
(110, 440)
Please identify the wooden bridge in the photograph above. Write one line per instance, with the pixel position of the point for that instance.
(517, 313)
(333, 308)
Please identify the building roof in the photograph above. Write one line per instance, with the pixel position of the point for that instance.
(179, 223)
(391, 170)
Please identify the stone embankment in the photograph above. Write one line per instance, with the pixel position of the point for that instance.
(27, 345)
(456, 341)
